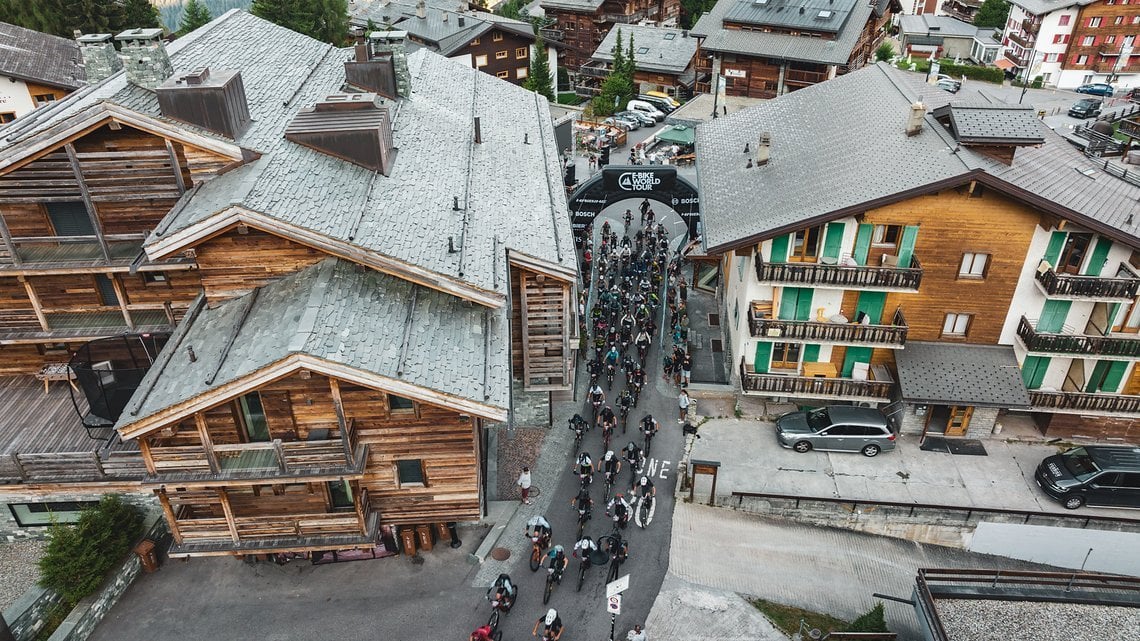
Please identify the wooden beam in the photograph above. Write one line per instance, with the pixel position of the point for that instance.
(7, 236)
(39, 309)
(91, 213)
(175, 166)
(122, 296)
(168, 510)
(207, 442)
(144, 449)
(524, 328)
(229, 512)
(341, 421)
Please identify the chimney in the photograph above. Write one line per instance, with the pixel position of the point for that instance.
(445, 16)
(352, 127)
(914, 119)
(100, 60)
(392, 43)
(421, 9)
(144, 55)
(763, 149)
(208, 98)
(462, 22)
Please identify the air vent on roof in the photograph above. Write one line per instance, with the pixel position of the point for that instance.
(352, 127)
(212, 99)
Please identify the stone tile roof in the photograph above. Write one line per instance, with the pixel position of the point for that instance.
(822, 165)
(925, 23)
(340, 313)
(949, 373)
(441, 25)
(1042, 7)
(39, 57)
(666, 50)
(589, 6)
(826, 16)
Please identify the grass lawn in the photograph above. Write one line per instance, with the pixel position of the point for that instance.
(787, 618)
(569, 98)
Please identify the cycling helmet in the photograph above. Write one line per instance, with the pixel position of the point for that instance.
(584, 458)
(558, 550)
(609, 455)
(644, 481)
(551, 615)
(619, 496)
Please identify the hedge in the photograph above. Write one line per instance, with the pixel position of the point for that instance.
(79, 556)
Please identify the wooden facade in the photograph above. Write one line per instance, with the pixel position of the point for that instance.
(580, 30)
(544, 333)
(505, 54)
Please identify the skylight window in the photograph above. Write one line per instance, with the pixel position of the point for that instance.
(670, 36)
(642, 51)
(823, 15)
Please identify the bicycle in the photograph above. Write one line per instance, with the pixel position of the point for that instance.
(553, 577)
(623, 413)
(607, 433)
(648, 441)
(579, 432)
(608, 487)
(583, 516)
(536, 553)
(582, 567)
(644, 510)
(493, 620)
(616, 556)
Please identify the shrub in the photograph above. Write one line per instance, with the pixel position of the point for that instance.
(988, 74)
(885, 51)
(78, 556)
(870, 621)
(1038, 81)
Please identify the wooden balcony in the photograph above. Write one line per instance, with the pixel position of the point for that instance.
(594, 69)
(1024, 41)
(626, 18)
(804, 76)
(1029, 25)
(841, 276)
(1014, 58)
(857, 334)
(1118, 347)
(836, 389)
(1074, 287)
(1082, 403)
(551, 34)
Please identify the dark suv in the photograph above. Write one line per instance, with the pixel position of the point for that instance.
(1085, 108)
(1101, 475)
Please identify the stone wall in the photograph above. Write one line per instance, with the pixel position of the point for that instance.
(982, 422)
(529, 409)
(26, 617)
(10, 530)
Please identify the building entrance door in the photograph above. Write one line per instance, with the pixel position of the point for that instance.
(959, 420)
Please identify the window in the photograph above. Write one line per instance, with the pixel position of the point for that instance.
(1061, 39)
(497, 36)
(155, 278)
(1109, 40)
(7, 116)
(475, 42)
(340, 495)
(1087, 41)
(106, 288)
(520, 53)
(70, 219)
(786, 355)
(887, 235)
(42, 514)
(1064, 20)
(1082, 60)
(1094, 22)
(400, 404)
(481, 61)
(973, 265)
(521, 72)
(641, 51)
(43, 99)
(410, 472)
(501, 55)
(956, 324)
(670, 36)
(503, 74)
(253, 418)
(805, 245)
(1118, 20)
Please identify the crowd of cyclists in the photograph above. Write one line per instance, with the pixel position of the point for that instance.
(618, 330)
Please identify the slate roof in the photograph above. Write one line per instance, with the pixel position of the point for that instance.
(667, 50)
(1042, 7)
(981, 123)
(589, 6)
(39, 57)
(823, 166)
(948, 373)
(445, 35)
(925, 23)
(827, 16)
(783, 46)
(337, 312)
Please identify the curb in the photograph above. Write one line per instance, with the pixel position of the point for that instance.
(500, 513)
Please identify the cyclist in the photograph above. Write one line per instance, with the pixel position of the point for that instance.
(539, 527)
(649, 426)
(557, 562)
(637, 376)
(642, 341)
(482, 633)
(625, 401)
(594, 368)
(608, 420)
(618, 548)
(504, 591)
(612, 357)
(582, 502)
(633, 455)
(645, 487)
(552, 625)
(610, 465)
(579, 424)
(585, 546)
(596, 396)
(620, 509)
(584, 466)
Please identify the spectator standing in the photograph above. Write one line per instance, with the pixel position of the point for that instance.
(686, 369)
(683, 402)
(637, 634)
(524, 485)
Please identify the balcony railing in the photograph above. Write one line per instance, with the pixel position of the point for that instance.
(1076, 287)
(893, 335)
(1026, 42)
(594, 70)
(804, 76)
(1078, 402)
(814, 387)
(1050, 343)
(626, 18)
(1030, 26)
(845, 276)
(1130, 127)
(1014, 58)
(551, 34)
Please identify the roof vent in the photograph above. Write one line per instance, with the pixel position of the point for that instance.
(211, 99)
(462, 21)
(801, 9)
(764, 149)
(373, 71)
(915, 118)
(352, 127)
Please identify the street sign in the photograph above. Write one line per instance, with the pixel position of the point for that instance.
(613, 604)
(617, 586)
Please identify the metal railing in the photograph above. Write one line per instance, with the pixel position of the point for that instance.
(854, 333)
(1085, 402)
(853, 276)
(1059, 343)
(1072, 285)
(812, 386)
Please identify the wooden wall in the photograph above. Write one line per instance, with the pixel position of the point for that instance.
(761, 76)
(1095, 427)
(950, 224)
(179, 289)
(25, 360)
(232, 264)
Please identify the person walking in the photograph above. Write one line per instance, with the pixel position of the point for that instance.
(686, 369)
(524, 485)
(637, 634)
(683, 402)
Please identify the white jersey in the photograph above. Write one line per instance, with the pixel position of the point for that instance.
(536, 521)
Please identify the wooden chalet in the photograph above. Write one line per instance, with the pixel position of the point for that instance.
(581, 25)
(342, 324)
(36, 69)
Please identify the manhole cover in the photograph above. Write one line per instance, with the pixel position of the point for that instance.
(500, 554)
(717, 345)
(714, 320)
(534, 491)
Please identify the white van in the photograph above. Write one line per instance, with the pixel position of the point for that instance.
(645, 108)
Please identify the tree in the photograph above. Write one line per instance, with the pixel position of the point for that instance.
(325, 20)
(538, 76)
(194, 15)
(691, 10)
(140, 14)
(993, 13)
(78, 556)
(616, 88)
(870, 621)
(287, 13)
(885, 51)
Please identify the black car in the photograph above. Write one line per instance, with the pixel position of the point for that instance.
(1086, 108)
(1101, 475)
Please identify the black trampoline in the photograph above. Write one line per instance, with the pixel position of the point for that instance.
(108, 371)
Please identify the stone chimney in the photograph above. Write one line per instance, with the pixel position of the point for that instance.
(914, 118)
(144, 55)
(100, 60)
(392, 42)
(421, 9)
(763, 149)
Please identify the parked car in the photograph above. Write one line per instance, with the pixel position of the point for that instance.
(673, 102)
(1100, 475)
(664, 106)
(949, 85)
(643, 118)
(1086, 108)
(646, 108)
(836, 428)
(624, 125)
(1096, 89)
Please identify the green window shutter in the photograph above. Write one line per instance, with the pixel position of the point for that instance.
(1113, 376)
(1097, 378)
(1099, 256)
(906, 245)
(1056, 244)
(779, 249)
(1113, 310)
(795, 303)
(811, 353)
(803, 304)
(1053, 315)
(871, 303)
(763, 357)
(863, 243)
(1033, 371)
(855, 355)
(834, 241)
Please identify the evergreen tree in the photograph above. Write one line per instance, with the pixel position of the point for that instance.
(992, 13)
(40, 15)
(870, 621)
(139, 14)
(691, 10)
(287, 13)
(194, 15)
(617, 88)
(329, 21)
(538, 77)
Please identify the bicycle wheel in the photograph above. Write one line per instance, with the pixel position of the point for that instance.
(581, 528)
(643, 513)
(494, 620)
(581, 576)
(606, 495)
(497, 635)
(535, 559)
(648, 440)
(549, 589)
(577, 444)
(605, 440)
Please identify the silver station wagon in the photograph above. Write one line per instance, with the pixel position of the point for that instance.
(836, 428)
